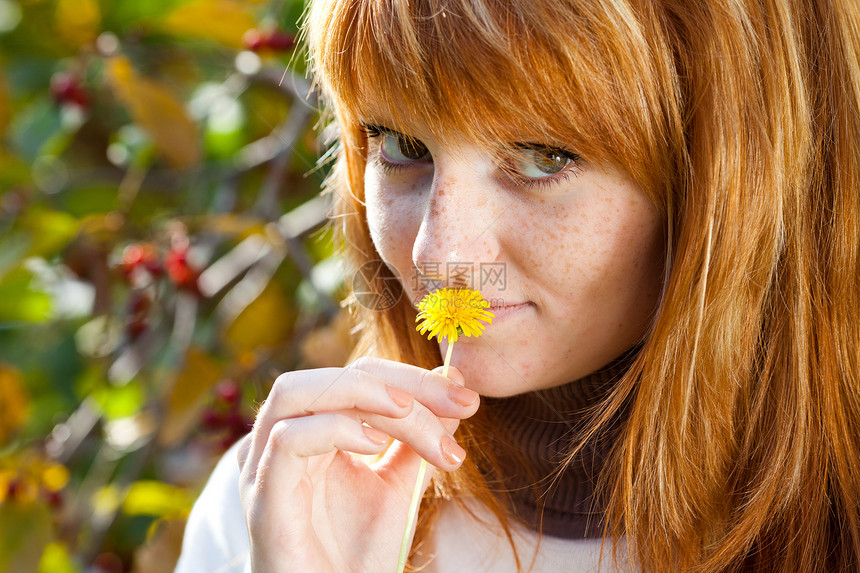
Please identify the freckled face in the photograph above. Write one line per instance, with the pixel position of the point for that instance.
(580, 248)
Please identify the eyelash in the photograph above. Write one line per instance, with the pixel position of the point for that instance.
(374, 131)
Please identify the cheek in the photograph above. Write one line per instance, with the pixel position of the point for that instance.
(390, 220)
(608, 250)
(632, 260)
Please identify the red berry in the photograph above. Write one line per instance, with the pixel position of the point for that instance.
(66, 89)
(212, 420)
(274, 40)
(234, 421)
(254, 40)
(108, 563)
(54, 499)
(153, 266)
(135, 328)
(228, 391)
(139, 258)
(139, 302)
(280, 41)
(179, 271)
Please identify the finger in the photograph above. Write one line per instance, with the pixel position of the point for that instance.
(291, 442)
(279, 493)
(305, 392)
(425, 433)
(431, 437)
(399, 467)
(444, 396)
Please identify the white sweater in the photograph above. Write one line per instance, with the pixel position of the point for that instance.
(216, 539)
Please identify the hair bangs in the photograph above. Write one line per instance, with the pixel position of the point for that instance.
(496, 73)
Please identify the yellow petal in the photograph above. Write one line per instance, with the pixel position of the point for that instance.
(450, 312)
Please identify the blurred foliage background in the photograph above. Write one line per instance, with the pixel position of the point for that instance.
(163, 257)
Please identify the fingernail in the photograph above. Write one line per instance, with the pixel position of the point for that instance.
(452, 452)
(400, 397)
(462, 396)
(376, 436)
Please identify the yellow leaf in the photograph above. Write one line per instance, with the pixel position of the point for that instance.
(14, 402)
(187, 397)
(264, 323)
(77, 21)
(156, 110)
(149, 497)
(232, 225)
(224, 21)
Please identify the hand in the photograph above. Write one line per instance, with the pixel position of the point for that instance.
(309, 505)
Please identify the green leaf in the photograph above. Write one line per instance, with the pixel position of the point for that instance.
(34, 127)
(13, 250)
(122, 15)
(19, 299)
(51, 231)
(120, 401)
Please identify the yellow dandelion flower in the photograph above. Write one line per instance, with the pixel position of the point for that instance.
(450, 312)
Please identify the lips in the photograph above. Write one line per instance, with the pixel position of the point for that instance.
(495, 308)
(509, 305)
(508, 309)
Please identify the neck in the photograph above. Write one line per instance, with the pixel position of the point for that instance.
(532, 434)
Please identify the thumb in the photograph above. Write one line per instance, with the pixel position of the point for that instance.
(454, 374)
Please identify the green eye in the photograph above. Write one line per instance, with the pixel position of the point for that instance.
(539, 162)
(400, 148)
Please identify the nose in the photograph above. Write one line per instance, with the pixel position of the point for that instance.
(456, 236)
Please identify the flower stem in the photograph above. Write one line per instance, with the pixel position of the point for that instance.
(447, 359)
(416, 493)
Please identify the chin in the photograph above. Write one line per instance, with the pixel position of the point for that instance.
(494, 382)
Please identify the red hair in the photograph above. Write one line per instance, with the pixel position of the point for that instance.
(741, 121)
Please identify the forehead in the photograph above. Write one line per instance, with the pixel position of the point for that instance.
(511, 71)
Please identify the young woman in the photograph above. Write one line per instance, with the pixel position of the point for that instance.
(667, 192)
